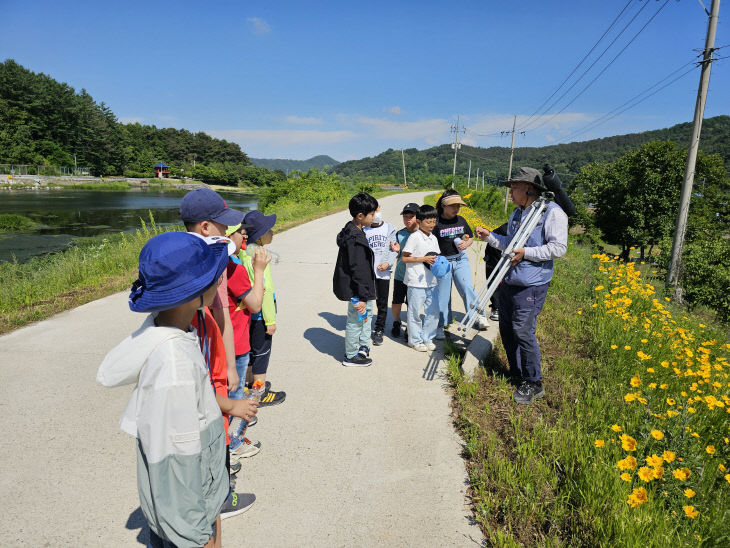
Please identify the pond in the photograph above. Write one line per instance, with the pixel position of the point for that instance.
(64, 215)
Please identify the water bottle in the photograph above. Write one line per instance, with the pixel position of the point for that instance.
(361, 317)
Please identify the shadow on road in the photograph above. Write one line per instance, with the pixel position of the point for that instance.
(326, 342)
(136, 520)
(336, 321)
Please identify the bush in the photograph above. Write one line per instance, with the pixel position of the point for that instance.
(14, 223)
(314, 187)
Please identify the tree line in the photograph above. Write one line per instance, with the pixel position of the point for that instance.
(46, 122)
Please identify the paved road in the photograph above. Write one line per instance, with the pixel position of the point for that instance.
(354, 457)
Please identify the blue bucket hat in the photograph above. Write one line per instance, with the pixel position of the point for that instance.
(259, 224)
(204, 204)
(175, 268)
(441, 267)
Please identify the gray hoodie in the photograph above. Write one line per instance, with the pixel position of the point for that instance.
(181, 442)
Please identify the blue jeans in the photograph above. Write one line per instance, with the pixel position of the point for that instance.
(237, 394)
(518, 310)
(357, 332)
(461, 274)
(426, 298)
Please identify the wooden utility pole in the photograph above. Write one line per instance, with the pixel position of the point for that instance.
(689, 172)
(403, 157)
(511, 155)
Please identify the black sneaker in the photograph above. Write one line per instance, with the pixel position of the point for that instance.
(528, 391)
(377, 337)
(395, 330)
(364, 351)
(494, 316)
(358, 361)
(272, 398)
(237, 503)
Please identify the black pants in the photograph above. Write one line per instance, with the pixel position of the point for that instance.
(382, 287)
(260, 348)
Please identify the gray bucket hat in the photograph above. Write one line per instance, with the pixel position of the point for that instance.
(527, 175)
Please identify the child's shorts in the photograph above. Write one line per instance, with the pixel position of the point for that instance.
(400, 291)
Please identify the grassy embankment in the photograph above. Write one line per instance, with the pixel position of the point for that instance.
(44, 286)
(630, 445)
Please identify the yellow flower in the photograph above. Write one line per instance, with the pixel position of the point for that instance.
(689, 493)
(645, 473)
(629, 463)
(637, 497)
(614, 347)
(635, 380)
(721, 467)
(654, 461)
(630, 397)
(643, 356)
(598, 287)
(645, 341)
(682, 473)
(625, 476)
(670, 401)
(669, 456)
(664, 386)
(616, 428)
(710, 449)
(627, 347)
(727, 477)
(468, 195)
(627, 442)
(649, 369)
(658, 472)
(690, 511)
(600, 443)
(657, 434)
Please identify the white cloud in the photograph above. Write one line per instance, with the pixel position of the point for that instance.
(259, 25)
(303, 120)
(130, 120)
(394, 110)
(435, 128)
(282, 137)
(549, 138)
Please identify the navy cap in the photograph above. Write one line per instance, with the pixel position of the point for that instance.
(410, 208)
(204, 204)
(258, 223)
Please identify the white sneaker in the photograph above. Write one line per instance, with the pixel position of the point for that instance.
(247, 449)
(430, 346)
(440, 335)
(420, 347)
(482, 323)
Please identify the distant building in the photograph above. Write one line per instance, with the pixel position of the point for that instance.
(162, 171)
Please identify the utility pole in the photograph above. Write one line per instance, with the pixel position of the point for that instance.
(468, 179)
(403, 157)
(482, 180)
(456, 145)
(511, 155)
(689, 172)
(476, 185)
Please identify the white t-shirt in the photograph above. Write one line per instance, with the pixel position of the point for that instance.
(418, 244)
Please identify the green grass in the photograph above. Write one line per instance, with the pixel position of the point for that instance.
(99, 186)
(10, 222)
(537, 478)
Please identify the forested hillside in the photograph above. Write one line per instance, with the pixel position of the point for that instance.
(46, 122)
(433, 163)
(315, 162)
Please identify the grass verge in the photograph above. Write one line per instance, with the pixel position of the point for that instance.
(623, 450)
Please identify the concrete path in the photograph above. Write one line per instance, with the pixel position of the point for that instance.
(354, 457)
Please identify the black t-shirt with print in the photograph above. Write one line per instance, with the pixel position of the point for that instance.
(448, 229)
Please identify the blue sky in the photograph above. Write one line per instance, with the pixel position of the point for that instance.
(351, 79)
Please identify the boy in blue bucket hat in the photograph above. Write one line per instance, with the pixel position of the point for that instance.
(173, 413)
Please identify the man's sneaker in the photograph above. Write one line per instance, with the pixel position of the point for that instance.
(357, 361)
(494, 316)
(482, 322)
(272, 398)
(528, 391)
(247, 449)
(237, 503)
(395, 331)
(440, 334)
(430, 346)
(420, 347)
(377, 337)
(235, 468)
(364, 351)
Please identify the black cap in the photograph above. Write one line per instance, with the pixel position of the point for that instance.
(410, 208)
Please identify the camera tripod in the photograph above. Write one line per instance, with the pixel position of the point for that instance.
(527, 225)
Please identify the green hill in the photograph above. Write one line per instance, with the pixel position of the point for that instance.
(567, 159)
(316, 162)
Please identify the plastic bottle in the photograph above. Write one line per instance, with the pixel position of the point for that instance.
(361, 317)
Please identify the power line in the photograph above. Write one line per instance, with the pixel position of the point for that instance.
(581, 62)
(604, 68)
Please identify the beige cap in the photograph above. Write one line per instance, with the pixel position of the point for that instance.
(451, 200)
